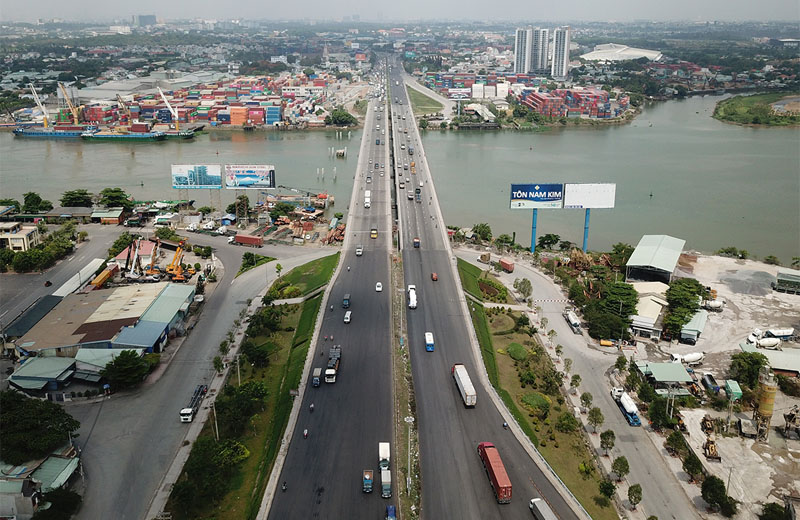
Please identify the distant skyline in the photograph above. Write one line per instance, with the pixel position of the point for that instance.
(416, 10)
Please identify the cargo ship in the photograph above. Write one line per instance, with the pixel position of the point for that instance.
(134, 132)
(55, 132)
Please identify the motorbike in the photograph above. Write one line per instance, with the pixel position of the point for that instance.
(311, 408)
(283, 487)
(305, 434)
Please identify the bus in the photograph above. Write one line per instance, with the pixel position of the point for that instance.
(429, 341)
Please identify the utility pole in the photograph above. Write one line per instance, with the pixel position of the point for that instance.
(216, 428)
(238, 373)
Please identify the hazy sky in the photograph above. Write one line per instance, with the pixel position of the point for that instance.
(579, 10)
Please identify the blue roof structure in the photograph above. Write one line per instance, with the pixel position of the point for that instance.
(173, 299)
(145, 334)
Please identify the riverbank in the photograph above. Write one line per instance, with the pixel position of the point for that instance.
(776, 109)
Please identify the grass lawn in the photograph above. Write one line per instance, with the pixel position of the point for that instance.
(422, 104)
(563, 451)
(469, 275)
(313, 275)
(264, 435)
(248, 264)
(360, 107)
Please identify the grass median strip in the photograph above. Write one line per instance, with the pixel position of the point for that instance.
(252, 260)
(422, 104)
(306, 278)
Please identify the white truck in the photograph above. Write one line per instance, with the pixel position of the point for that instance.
(412, 296)
(695, 358)
(464, 384)
(386, 483)
(187, 414)
(574, 322)
(384, 455)
(540, 510)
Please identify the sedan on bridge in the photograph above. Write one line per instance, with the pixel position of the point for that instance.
(378, 287)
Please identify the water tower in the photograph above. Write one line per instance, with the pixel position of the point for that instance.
(762, 415)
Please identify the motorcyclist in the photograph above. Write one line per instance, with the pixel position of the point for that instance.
(311, 407)
(283, 487)
(305, 433)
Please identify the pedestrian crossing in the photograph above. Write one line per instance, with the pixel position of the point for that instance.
(551, 300)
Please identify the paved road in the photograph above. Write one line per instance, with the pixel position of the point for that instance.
(663, 496)
(453, 480)
(323, 472)
(129, 441)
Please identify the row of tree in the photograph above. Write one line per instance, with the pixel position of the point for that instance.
(33, 203)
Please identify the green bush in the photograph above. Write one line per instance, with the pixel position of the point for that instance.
(539, 403)
(517, 351)
(566, 423)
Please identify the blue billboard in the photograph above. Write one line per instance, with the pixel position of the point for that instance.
(536, 196)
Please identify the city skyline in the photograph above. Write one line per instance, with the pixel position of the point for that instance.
(621, 10)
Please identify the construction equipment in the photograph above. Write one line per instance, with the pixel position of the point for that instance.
(707, 424)
(125, 108)
(45, 114)
(792, 420)
(681, 424)
(175, 264)
(172, 110)
(710, 449)
(75, 112)
(152, 270)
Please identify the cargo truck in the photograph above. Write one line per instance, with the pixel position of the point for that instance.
(416, 242)
(574, 322)
(386, 483)
(695, 358)
(346, 301)
(384, 455)
(334, 360)
(540, 510)
(507, 265)
(496, 472)
(316, 377)
(412, 297)
(247, 240)
(366, 481)
(188, 413)
(485, 258)
(464, 384)
(626, 406)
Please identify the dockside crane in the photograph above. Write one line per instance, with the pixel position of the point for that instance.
(75, 112)
(125, 108)
(172, 110)
(45, 114)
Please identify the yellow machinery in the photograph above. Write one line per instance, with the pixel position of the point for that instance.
(125, 108)
(75, 112)
(45, 115)
(175, 265)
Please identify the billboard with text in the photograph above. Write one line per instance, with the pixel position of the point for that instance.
(537, 196)
(587, 196)
(249, 176)
(196, 176)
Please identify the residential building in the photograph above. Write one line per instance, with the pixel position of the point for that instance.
(522, 50)
(15, 236)
(560, 65)
(540, 49)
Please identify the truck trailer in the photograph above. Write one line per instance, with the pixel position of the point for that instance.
(334, 360)
(384, 455)
(464, 385)
(316, 378)
(507, 265)
(187, 414)
(247, 240)
(540, 510)
(496, 472)
(626, 406)
(386, 483)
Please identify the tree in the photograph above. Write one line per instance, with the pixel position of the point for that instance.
(126, 370)
(559, 350)
(278, 269)
(658, 414)
(773, 511)
(586, 399)
(713, 491)
(621, 467)
(607, 439)
(11, 202)
(635, 495)
(620, 299)
(682, 297)
(115, 198)
(423, 123)
(442, 126)
(504, 240)
(32, 428)
(596, 418)
(524, 287)
(607, 488)
(483, 231)
(646, 392)
(76, 199)
(281, 209)
(575, 382)
(205, 210)
(675, 442)
(692, 466)
(566, 423)
(621, 362)
(620, 254)
(744, 367)
(340, 117)
(63, 504)
(33, 203)
(240, 208)
(548, 241)
(218, 365)
(257, 354)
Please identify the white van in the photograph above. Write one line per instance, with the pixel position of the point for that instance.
(367, 203)
(347, 316)
(412, 297)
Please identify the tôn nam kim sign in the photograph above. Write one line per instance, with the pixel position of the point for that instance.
(536, 196)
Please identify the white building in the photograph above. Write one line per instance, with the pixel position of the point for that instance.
(522, 50)
(608, 52)
(560, 66)
(540, 49)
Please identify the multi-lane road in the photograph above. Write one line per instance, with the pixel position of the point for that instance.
(350, 417)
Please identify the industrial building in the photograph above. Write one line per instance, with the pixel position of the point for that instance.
(654, 259)
(15, 236)
(40, 374)
(787, 281)
(610, 52)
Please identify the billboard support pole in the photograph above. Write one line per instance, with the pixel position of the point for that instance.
(533, 230)
(586, 230)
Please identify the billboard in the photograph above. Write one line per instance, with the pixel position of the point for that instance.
(249, 176)
(585, 196)
(196, 176)
(459, 93)
(536, 196)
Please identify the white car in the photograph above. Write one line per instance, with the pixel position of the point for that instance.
(378, 287)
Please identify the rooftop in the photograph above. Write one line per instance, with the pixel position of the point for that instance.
(54, 472)
(664, 372)
(143, 334)
(780, 360)
(100, 357)
(108, 213)
(697, 323)
(658, 251)
(617, 52)
(174, 298)
(36, 372)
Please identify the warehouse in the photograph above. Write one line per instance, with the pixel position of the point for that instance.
(40, 374)
(610, 52)
(654, 259)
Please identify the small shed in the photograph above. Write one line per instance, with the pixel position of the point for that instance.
(691, 332)
(108, 216)
(229, 219)
(733, 390)
(654, 259)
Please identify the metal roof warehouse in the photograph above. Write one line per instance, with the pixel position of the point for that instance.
(654, 258)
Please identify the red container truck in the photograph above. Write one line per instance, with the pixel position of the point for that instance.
(498, 477)
(248, 240)
(507, 265)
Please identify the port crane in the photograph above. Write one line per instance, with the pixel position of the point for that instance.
(72, 108)
(172, 110)
(125, 108)
(45, 114)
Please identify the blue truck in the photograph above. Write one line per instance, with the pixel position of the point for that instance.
(626, 406)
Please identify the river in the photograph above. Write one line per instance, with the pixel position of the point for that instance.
(713, 184)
